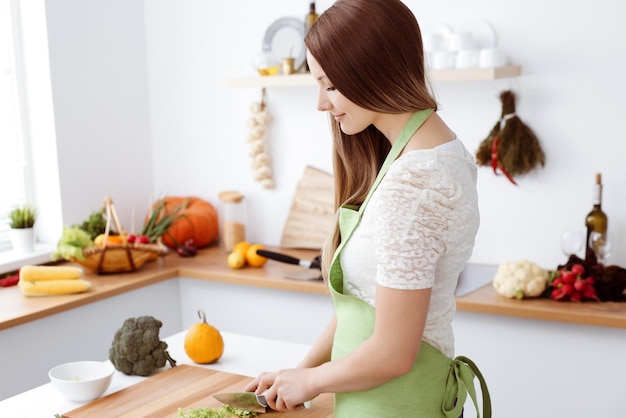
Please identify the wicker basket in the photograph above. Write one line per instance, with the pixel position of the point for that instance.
(118, 258)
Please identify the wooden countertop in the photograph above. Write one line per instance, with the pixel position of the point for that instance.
(246, 356)
(210, 264)
(486, 300)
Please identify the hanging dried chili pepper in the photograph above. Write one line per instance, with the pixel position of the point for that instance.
(511, 147)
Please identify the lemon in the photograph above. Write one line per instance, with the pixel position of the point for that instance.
(253, 258)
(242, 247)
(236, 260)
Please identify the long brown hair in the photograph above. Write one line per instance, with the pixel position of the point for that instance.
(371, 51)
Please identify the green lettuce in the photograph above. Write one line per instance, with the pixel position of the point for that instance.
(72, 242)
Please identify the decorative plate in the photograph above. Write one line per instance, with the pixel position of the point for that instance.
(285, 38)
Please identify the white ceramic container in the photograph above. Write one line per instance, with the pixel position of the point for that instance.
(82, 381)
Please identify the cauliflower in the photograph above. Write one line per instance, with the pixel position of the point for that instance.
(137, 349)
(520, 279)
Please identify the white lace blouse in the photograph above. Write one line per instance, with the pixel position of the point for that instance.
(417, 232)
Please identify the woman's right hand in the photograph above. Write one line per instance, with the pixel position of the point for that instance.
(284, 390)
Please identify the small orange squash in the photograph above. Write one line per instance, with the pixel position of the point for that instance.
(197, 221)
(203, 342)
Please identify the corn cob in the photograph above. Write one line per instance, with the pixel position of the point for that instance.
(53, 287)
(40, 273)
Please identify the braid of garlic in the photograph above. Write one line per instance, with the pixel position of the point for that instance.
(260, 161)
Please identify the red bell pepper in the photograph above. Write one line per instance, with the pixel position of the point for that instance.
(11, 280)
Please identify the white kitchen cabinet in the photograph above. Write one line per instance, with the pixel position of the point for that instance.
(86, 332)
(83, 333)
(276, 314)
(542, 368)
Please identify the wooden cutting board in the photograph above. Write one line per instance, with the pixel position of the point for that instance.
(312, 211)
(183, 386)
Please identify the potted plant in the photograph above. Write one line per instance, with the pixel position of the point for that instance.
(21, 223)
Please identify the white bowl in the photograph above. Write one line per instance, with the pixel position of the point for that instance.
(82, 381)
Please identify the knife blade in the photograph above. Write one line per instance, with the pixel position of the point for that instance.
(243, 400)
(248, 400)
(315, 264)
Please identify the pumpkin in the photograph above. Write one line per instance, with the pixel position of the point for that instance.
(196, 220)
(203, 342)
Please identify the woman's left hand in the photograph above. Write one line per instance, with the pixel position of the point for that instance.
(284, 390)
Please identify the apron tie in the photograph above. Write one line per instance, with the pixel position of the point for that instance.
(460, 382)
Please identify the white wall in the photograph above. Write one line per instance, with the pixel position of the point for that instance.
(101, 104)
(147, 79)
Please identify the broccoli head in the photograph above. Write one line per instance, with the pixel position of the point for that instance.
(137, 349)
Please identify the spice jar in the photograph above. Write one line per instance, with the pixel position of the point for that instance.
(233, 219)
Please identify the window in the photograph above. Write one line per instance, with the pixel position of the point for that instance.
(15, 183)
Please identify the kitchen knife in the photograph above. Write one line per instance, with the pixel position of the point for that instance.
(315, 264)
(248, 401)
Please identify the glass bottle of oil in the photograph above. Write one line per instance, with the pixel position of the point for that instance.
(309, 19)
(597, 223)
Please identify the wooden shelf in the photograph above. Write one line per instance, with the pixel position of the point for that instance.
(298, 80)
(292, 80)
(476, 74)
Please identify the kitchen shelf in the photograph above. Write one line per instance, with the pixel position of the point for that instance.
(297, 80)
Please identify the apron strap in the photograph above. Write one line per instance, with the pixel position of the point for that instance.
(416, 120)
(349, 216)
(461, 382)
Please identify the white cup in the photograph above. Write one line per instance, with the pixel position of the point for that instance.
(434, 42)
(441, 60)
(491, 58)
(462, 41)
(467, 58)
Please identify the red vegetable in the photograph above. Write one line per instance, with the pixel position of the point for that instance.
(559, 294)
(142, 239)
(494, 161)
(568, 276)
(567, 289)
(580, 285)
(590, 293)
(578, 269)
(575, 297)
(11, 280)
(187, 249)
(570, 285)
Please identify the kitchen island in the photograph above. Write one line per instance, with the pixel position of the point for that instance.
(244, 355)
(533, 353)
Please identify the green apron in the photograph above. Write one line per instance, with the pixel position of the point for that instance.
(437, 386)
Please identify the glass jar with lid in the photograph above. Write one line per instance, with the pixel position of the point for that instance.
(233, 219)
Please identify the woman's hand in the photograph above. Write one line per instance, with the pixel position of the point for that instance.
(284, 390)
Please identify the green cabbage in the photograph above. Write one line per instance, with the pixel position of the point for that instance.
(72, 242)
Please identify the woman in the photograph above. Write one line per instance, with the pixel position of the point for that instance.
(405, 187)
